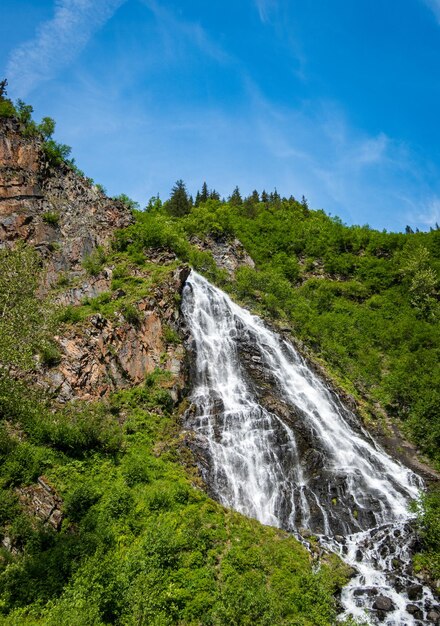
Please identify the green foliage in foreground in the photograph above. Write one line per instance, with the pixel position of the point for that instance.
(429, 520)
(140, 542)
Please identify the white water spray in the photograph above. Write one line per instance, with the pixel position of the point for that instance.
(279, 446)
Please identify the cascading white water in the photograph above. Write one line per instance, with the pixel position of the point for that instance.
(279, 446)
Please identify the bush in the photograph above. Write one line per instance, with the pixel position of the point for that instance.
(134, 469)
(56, 153)
(70, 314)
(51, 217)
(79, 501)
(94, 262)
(428, 510)
(132, 314)
(128, 202)
(101, 188)
(79, 429)
(170, 335)
(50, 354)
(7, 109)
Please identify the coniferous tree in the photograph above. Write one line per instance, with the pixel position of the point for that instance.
(264, 197)
(235, 199)
(255, 197)
(214, 195)
(197, 200)
(205, 193)
(179, 203)
(3, 85)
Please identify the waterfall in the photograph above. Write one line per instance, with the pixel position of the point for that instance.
(277, 444)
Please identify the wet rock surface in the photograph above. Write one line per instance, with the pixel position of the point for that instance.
(396, 597)
(274, 442)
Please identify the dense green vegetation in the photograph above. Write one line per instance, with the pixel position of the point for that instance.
(140, 543)
(429, 517)
(366, 302)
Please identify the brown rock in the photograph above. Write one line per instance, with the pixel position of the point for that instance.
(228, 254)
(30, 187)
(42, 501)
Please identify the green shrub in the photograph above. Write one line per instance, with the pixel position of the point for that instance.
(79, 429)
(78, 501)
(101, 188)
(63, 280)
(170, 335)
(7, 109)
(51, 217)
(134, 469)
(132, 314)
(70, 314)
(428, 510)
(94, 262)
(56, 153)
(50, 354)
(24, 464)
(128, 202)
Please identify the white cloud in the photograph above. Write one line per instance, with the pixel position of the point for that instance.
(265, 8)
(57, 42)
(314, 150)
(434, 5)
(177, 33)
(429, 216)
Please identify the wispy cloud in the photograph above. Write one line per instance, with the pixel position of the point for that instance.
(428, 216)
(57, 41)
(265, 8)
(177, 33)
(434, 5)
(313, 149)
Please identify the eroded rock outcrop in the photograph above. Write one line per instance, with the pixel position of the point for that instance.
(229, 254)
(52, 208)
(42, 501)
(103, 355)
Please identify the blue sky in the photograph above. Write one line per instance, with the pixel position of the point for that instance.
(339, 101)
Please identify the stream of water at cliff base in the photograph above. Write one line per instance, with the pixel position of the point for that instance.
(276, 443)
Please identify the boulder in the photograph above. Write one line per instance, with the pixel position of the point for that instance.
(383, 603)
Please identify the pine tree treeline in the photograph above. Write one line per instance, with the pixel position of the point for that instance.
(180, 202)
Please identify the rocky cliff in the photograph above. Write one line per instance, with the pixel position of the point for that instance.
(66, 218)
(52, 208)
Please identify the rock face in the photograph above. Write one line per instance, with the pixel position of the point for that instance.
(104, 355)
(43, 502)
(52, 208)
(65, 218)
(228, 254)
